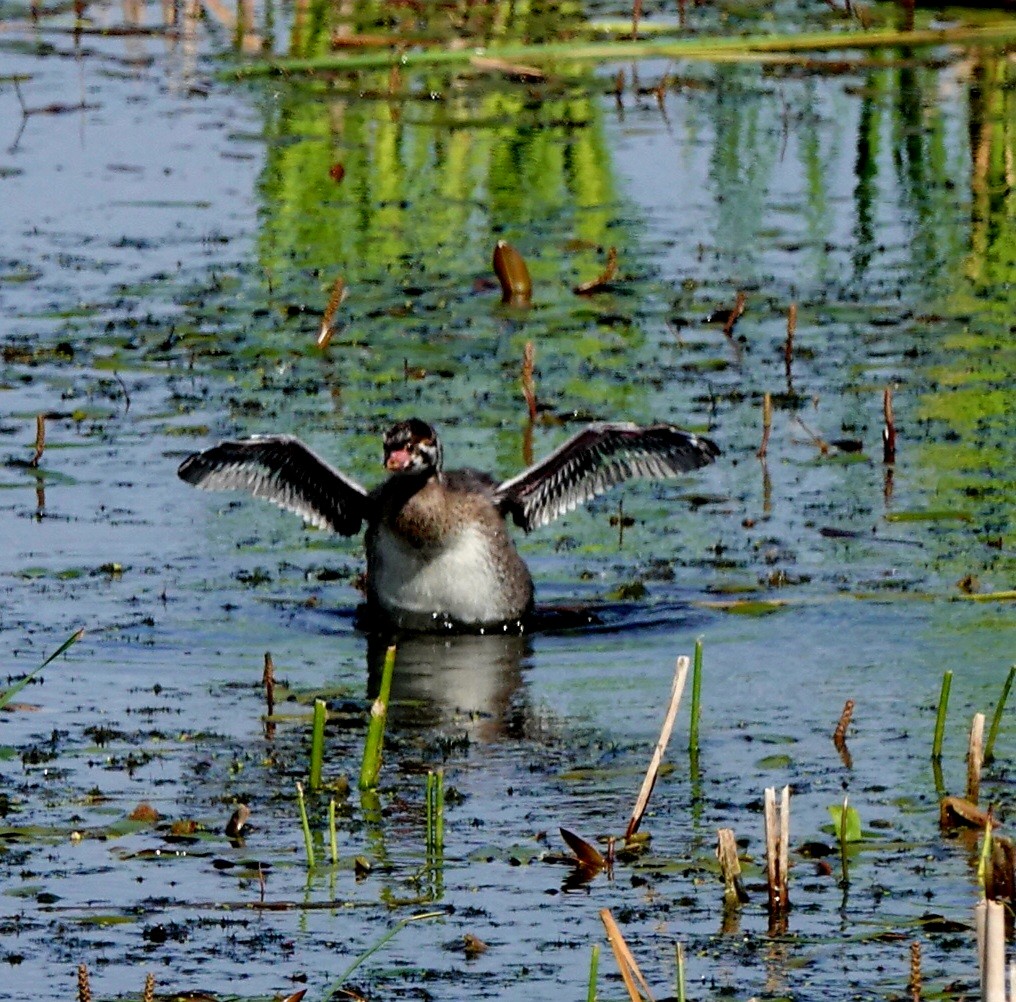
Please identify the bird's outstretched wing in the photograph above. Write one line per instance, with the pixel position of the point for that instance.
(286, 472)
(597, 458)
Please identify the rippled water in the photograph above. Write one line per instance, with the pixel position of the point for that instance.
(168, 252)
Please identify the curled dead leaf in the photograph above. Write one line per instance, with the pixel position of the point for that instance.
(512, 273)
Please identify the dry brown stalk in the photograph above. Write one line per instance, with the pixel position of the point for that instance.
(676, 690)
(334, 301)
(840, 735)
(767, 424)
(236, 822)
(40, 439)
(975, 757)
(268, 681)
(84, 988)
(822, 445)
(148, 993)
(625, 959)
(889, 430)
(601, 280)
(734, 893)
(735, 313)
(514, 71)
(528, 384)
(914, 985)
(788, 347)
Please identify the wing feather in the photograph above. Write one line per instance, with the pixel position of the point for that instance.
(281, 469)
(599, 457)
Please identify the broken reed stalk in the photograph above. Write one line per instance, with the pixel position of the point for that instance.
(594, 963)
(317, 744)
(943, 705)
(996, 720)
(626, 962)
(268, 681)
(767, 424)
(370, 768)
(333, 835)
(696, 698)
(914, 984)
(40, 440)
(327, 328)
(308, 842)
(889, 428)
(788, 346)
(642, 801)
(777, 832)
(975, 757)
(730, 867)
(679, 957)
(435, 812)
(990, 921)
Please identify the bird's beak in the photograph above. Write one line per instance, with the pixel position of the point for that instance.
(398, 460)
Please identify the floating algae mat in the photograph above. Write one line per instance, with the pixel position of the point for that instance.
(189, 258)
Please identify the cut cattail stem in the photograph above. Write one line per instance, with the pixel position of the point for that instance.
(777, 832)
(735, 314)
(975, 757)
(990, 921)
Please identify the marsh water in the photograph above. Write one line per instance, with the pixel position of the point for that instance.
(171, 238)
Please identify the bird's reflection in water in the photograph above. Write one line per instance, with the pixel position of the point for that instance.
(470, 683)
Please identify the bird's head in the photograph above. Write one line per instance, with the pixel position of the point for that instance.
(412, 447)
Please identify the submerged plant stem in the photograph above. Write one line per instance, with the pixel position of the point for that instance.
(398, 927)
(305, 822)
(749, 48)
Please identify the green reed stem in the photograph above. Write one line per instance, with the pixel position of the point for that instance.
(982, 862)
(679, 950)
(989, 748)
(435, 811)
(398, 927)
(333, 837)
(370, 768)
(594, 963)
(8, 694)
(317, 743)
(308, 842)
(943, 704)
(843, 844)
(696, 698)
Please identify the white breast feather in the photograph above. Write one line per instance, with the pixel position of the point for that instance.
(458, 580)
